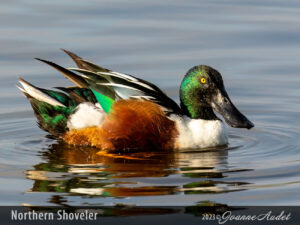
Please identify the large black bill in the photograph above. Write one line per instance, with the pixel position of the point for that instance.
(233, 117)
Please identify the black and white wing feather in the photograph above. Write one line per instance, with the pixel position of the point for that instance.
(121, 86)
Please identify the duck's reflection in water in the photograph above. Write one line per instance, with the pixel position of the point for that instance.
(80, 171)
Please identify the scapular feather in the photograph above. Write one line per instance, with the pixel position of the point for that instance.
(121, 84)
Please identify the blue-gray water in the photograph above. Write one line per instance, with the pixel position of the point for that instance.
(254, 44)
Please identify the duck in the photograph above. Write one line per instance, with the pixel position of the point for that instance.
(115, 111)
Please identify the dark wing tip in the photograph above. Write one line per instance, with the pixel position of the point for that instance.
(78, 60)
(58, 67)
(43, 60)
(69, 74)
(38, 59)
(64, 50)
(71, 54)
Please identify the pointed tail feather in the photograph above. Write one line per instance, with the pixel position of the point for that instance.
(36, 93)
(51, 108)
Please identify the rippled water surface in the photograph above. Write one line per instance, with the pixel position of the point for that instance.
(254, 44)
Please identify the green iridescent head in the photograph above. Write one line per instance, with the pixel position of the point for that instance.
(202, 91)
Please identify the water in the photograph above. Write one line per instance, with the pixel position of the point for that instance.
(254, 44)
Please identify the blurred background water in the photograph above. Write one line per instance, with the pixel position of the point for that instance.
(254, 44)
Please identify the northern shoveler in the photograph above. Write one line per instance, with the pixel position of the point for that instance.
(116, 111)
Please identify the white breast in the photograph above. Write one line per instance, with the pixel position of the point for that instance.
(197, 133)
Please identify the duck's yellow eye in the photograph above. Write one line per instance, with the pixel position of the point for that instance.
(203, 80)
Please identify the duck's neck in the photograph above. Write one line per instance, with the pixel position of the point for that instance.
(198, 112)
